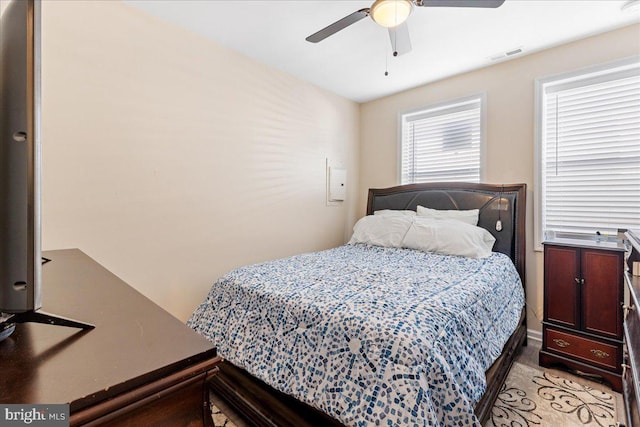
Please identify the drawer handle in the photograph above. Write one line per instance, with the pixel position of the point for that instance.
(562, 343)
(600, 354)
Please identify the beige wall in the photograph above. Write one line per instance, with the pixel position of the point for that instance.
(170, 159)
(509, 87)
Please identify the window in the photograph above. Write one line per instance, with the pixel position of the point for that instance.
(588, 151)
(443, 142)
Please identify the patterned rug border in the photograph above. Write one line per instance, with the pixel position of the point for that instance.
(550, 400)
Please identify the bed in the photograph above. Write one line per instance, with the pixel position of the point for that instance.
(355, 336)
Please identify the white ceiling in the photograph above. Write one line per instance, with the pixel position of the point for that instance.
(352, 62)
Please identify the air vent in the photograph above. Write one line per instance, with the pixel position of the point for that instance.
(507, 54)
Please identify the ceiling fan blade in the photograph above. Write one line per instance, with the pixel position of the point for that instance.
(338, 25)
(400, 41)
(462, 3)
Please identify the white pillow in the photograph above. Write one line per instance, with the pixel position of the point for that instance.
(449, 237)
(381, 230)
(393, 212)
(470, 216)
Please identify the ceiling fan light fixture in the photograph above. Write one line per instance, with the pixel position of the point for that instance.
(391, 13)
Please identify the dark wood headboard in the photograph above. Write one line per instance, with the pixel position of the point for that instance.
(506, 201)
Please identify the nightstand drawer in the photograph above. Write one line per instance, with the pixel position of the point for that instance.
(592, 351)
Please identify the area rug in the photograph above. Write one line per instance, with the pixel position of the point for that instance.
(219, 418)
(534, 398)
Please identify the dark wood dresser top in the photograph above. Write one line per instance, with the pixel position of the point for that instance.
(134, 341)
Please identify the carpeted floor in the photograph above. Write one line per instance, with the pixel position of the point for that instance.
(531, 397)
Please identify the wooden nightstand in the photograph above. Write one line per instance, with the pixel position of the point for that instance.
(583, 297)
(140, 366)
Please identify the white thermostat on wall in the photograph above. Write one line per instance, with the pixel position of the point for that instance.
(337, 184)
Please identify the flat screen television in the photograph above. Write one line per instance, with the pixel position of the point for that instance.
(20, 164)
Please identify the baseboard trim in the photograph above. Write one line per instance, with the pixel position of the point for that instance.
(534, 335)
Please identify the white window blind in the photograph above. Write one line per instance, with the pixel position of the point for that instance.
(442, 143)
(591, 152)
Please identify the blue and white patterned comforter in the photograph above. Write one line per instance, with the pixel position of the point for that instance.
(369, 335)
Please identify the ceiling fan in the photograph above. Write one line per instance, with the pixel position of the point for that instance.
(392, 14)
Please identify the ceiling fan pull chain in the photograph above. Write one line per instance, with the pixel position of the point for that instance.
(386, 61)
(395, 42)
